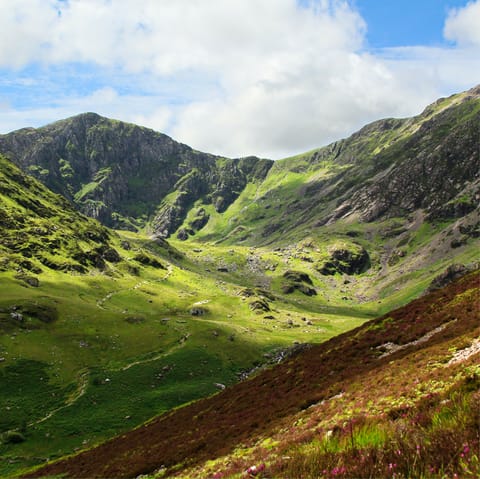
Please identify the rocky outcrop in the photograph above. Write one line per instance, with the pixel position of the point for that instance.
(297, 281)
(347, 259)
(436, 168)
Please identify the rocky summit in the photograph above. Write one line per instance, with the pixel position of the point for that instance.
(125, 175)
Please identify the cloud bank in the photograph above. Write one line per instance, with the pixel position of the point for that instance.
(233, 77)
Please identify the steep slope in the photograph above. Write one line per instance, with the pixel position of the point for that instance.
(389, 169)
(41, 229)
(397, 378)
(125, 175)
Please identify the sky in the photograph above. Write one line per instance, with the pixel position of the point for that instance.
(270, 78)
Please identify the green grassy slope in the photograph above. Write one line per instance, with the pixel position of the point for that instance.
(396, 397)
(97, 333)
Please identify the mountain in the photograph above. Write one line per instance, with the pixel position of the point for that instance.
(102, 331)
(124, 175)
(131, 177)
(427, 165)
(397, 395)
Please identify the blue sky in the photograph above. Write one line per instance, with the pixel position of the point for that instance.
(394, 23)
(235, 77)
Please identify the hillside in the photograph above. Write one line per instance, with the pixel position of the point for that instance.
(40, 229)
(427, 165)
(402, 389)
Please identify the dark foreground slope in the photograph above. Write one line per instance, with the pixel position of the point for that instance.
(330, 404)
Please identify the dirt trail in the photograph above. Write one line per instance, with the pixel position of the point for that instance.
(84, 375)
(102, 301)
(180, 344)
(80, 391)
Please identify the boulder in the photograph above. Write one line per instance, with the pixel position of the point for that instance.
(297, 276)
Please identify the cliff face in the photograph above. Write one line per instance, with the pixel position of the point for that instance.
(435, 168)
(122, 174)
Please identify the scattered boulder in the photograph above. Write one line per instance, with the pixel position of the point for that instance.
(297, 277)
(16, 316)
(182, 234)
(395, 257)
(134, 319)
(246, 293)
(288, 288)
(458, 242)
(200, 220)
(297, 280)
(111, 255)
(303, 288)
(197, 311)
(148, 260)
(267, 294)
(30, 280)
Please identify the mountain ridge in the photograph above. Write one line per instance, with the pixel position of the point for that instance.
(133, 177)
(119, 172)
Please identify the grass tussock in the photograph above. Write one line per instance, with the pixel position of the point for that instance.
(437, 439)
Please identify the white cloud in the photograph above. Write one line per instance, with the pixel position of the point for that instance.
(463, 25)
(263, 77)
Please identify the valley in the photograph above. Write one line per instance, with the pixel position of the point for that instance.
(144, 283)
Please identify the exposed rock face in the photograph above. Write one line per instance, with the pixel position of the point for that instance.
(121, 174)
(436, 168)
(452, 273)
